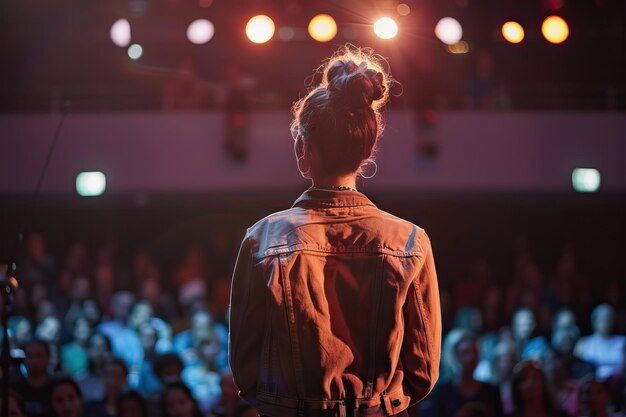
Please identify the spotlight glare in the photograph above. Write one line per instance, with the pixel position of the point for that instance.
(555, 29)
(200, 31)
(403, 9)
(260, 29)
(322, 28)
(459, 48)
(449, 30)
(386, 28)
(513, 32)
(586, 180)
(135, 51)
(120, 33)
(90, 184)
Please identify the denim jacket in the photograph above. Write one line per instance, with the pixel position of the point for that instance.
(334, 309)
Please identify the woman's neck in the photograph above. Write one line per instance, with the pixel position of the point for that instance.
(348, 181)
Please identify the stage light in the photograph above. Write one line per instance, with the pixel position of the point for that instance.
(449, 30)
(555, 29)
(513, 32)
(90, 184)
(200, 31)
(260, 29)
(586, 180)
(403, 9)
(135, 51)
(322, 28)
(386, 28)
(120, 33)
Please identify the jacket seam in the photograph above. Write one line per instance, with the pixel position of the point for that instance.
(379, 249)
(424, 320)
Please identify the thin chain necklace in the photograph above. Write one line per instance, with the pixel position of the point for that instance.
(333, 188)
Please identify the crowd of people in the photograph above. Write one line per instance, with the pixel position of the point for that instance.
(90, 337)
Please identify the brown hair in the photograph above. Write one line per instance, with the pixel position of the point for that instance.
(341, 117)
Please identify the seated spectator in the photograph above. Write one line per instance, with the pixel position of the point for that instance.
(49, 330)
(528, 345)
(116, 381)
(125, 342)
(131, 404)
(203, 376)
(67, 400)
(74, 356)
(450, 396)
(167, 368)
(604, 349)
(202, 329)
(531, 394)
(99, 354)
(178, 402)
(35, 388)
(594, 400)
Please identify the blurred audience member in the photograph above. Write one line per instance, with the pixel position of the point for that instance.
(531, 394)
(604, 349)
(66, 398)
(74, 356)
(178, 402)
(35, 388)
(131, 404)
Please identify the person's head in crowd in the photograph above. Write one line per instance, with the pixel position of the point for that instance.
(36, 248)
(140, 315)
(208, 351)
(20, 329)
(179, 402)
(148, 337)
(66, 398)
(168, 367)
(201, 326)
(530, 389)
(121, 303)
(466, 354)
(594, 398)
(76, 259)
(523, 324)
(163, 336)
(602, 318)
(16, 405)
(45, 308)
(564, 318)
(470, 319)
(449, 366)
(504, 360)
(99, 352)
(81, 288)
(245, 410)
(131, 404)
(49, 329)
(116, 377)
(564, 339)
(91, 310)
(81, 330)
(38, 294)
(37, 358)
(474, 409)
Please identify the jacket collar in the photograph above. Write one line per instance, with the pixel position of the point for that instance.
(332, 198)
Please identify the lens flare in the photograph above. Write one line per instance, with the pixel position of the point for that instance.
(555, 29)
(260, 29)
(120, 33)
(449, 30)
(200, 31)
(513, 32)
(323, 28)
(386, 28)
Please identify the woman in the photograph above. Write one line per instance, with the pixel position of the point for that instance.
(334, 303)
(131, 404)
(67, 400)
(178, 401)
(531, 394)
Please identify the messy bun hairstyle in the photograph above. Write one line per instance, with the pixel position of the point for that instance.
(341, 117)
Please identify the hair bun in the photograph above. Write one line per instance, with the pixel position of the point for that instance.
(355, 85)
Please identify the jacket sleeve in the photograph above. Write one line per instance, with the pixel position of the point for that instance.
(247, 324)
(421, 347)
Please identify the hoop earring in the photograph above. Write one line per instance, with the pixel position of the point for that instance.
(305, 174)
(367, 177)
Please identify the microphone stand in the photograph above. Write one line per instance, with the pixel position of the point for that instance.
(7, 287)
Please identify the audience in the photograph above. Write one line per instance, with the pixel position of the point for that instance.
(96, 338)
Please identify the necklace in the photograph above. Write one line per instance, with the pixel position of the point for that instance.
(333, 188)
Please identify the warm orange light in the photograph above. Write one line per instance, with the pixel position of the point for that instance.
(513, 32)
(403, 9)
(555, 29)
(386, 28)
(260, 29)
(322, 28)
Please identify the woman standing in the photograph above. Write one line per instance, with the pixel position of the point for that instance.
(334, 302)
